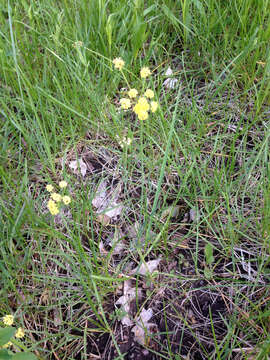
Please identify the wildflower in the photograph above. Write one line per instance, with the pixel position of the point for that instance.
(8, 320)
(141, 106)
(52, 207)
(143, 115)
(118, 63)
(49, 188)
(7, 345)
(66, 199)
(132, 93)
(149, 93)
(77, 44)
(19, 333)
(56, 197)
(154, 106)
(125, 141)
(125, 103)
(145, 71)
(63, 184)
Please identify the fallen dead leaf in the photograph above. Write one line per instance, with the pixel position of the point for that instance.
(143, 328)
(129, 294)
(115, 241)
(194, 215)
(170, 83)
(114, 209)
(103, 219)
(147, 267)
(172, 211)
(100, 196)
(82, 165)
(102, 249)
(106, 201)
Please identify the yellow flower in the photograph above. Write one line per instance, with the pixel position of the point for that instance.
(77, 44)
(66, 200)
(145, 71)
(149, 93)
(63, 184)
(52, 207)
(125, 103)
(56, 197)
(49, 188)
(19, 333)
(154, 106)
(6, 345)
(125, 141)
(118, 63)
(142, 105)
(132, 93)
(8, 320)
(143, 115)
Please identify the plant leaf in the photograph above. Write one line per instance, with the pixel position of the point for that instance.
(82, 166)
(143, 328)
(24, 356)
(208, 251)
(148, 267)
(4, 355)
(6, 334)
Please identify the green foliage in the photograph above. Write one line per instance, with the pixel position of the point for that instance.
(4, 355)
(6, 334)
(207, 149)
(24, 356)
(208, 251)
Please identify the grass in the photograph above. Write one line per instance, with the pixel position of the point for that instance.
(194, 184)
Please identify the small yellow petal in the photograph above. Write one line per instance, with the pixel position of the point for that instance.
(142, 105)
(149, 93)
(63, 184)
(8, 320)
(118, 63)
(7, 345)
(52, 207)
(145, 71)
(19, 333)
(49, 188)
(154, 106)
(56, 197)
(66, 200)
(132, 93)
(125, 103)
(143, 115)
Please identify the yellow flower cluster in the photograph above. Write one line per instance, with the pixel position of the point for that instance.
(125, 103)
(53, 208)
(49, 188)
(19, 334)
(63, 184)
(77, 44)
(57, 198)
(8, 320)
(66, 199)
(8, 344)
(149, 94)
(142, 106)
(145, 72)
(132, 93)
(118, 63)
(124, 141)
